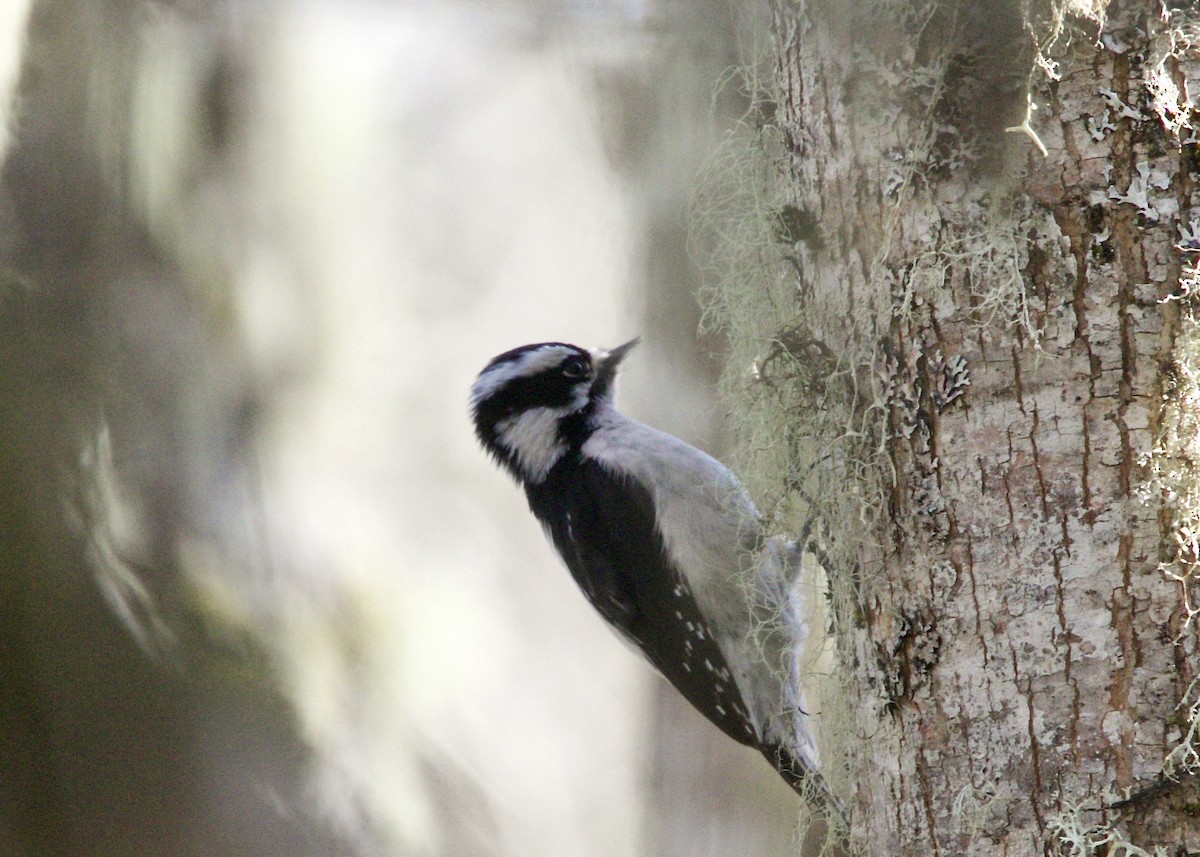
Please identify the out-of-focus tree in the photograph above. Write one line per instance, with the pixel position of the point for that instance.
(261, 594)
(119, 734)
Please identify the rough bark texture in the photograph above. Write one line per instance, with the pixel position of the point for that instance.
(992, 322)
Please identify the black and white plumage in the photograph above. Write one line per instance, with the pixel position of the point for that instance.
(661, 538)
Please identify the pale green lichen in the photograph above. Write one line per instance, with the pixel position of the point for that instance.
(1072, 836)
(1184, 759)
(1177, 37)
(808, 450)
(1173, 464)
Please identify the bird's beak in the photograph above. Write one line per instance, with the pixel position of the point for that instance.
(607, 363)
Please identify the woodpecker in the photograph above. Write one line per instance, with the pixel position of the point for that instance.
(661, 538)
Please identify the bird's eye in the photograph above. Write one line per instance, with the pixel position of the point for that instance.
(575, 367)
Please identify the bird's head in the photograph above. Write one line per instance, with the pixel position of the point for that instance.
(530, 404)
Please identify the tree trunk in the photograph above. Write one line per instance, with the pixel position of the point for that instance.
(985, 363)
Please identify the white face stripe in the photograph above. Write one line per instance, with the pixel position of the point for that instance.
(530, 363)
(532, 436)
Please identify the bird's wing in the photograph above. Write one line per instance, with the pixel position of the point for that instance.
(603, 526)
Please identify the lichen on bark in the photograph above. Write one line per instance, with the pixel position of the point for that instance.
(968, 371)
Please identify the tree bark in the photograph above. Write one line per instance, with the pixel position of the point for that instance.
(983, 348)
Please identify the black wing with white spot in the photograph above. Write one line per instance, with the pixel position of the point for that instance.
(603, 527)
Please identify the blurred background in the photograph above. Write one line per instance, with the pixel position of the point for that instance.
(261, 592)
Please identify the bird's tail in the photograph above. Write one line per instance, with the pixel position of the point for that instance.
(806, 782)
(789, 743)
